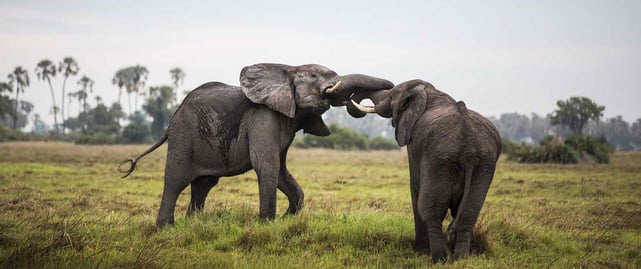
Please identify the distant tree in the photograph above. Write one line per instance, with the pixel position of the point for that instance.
(100, 119)
(177, 77)
(133, 79)
(22, 118)
(19, 78)
(158, 106)
(635, 128)
(575, 113)
(67, 67)
(6, 107)
(138, 129)
(86, 86)
(44, 71)
(39, 126)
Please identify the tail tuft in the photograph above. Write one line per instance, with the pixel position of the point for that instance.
(131, 169)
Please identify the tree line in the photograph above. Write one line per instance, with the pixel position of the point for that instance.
(573, 117)
(97, 122)
(94, 123)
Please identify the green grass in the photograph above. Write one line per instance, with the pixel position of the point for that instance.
(63, 205)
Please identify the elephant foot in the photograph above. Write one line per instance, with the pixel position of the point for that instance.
(267, 217)
(162, 223)
(439, 256)
(422, 249)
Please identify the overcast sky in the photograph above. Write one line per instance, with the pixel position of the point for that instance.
(497, 56)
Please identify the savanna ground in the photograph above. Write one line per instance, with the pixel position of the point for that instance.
(64, 205)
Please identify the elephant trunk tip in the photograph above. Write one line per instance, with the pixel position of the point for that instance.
(131, 169)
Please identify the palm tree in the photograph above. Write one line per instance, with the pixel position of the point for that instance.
(133, 78)
(19, 77)
(139, 77)
(45, 70)
(177, 77)
(68, 67)
(86, 86)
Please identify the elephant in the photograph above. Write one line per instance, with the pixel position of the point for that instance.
(221, 130)
(452, 154)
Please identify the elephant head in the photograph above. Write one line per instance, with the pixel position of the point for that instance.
(304, 89)
(404, 103)
(286, 89)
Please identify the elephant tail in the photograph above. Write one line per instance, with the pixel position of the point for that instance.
(133, 161)
(469, 170)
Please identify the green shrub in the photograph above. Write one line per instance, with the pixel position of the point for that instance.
(7, 134)
(553, 149)
(98, 139)
(508, 146)
(548, 153)
(599, 147)
(382, 143)
(344, 139)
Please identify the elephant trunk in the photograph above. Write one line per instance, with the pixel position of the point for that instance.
(357, 87)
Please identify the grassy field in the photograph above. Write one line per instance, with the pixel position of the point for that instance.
(63, 205)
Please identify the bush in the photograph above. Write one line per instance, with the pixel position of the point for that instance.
(136, 134)
(7, 134)
(555, 150)
(599, 147)
(344, 139)
(98, 139)
(382, 143)
(508, 146)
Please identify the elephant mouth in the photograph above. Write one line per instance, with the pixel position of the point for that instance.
(313, 103)
(331, 88)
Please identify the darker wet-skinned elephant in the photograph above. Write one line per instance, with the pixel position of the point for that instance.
(221, 130)
(452, 155)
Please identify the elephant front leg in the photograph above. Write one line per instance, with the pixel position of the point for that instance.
(288, 185)
(200, 187)
(267, 169)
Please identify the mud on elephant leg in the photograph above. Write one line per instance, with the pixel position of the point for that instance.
(200, 187)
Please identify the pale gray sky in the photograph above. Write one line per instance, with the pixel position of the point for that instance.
(497, 56)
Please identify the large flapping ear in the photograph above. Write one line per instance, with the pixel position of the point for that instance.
(269, 84)
(314, 124)
(406, 111)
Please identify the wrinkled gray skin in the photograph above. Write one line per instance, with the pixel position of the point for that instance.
(452, 155)
(221, 130)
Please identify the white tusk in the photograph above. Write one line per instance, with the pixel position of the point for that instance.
(366, 109)
(332, 89)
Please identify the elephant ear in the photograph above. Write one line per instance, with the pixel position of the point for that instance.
(314, 124)
(269, 84)
(406, 112)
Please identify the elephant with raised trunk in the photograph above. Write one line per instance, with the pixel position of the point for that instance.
(221, 130)
(452, 154)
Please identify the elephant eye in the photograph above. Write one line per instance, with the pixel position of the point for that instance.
(313, 75)
(405, 104)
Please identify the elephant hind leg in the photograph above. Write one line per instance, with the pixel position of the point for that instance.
(170, 194)
(433, 201)
(200, 187)
(470, 213)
